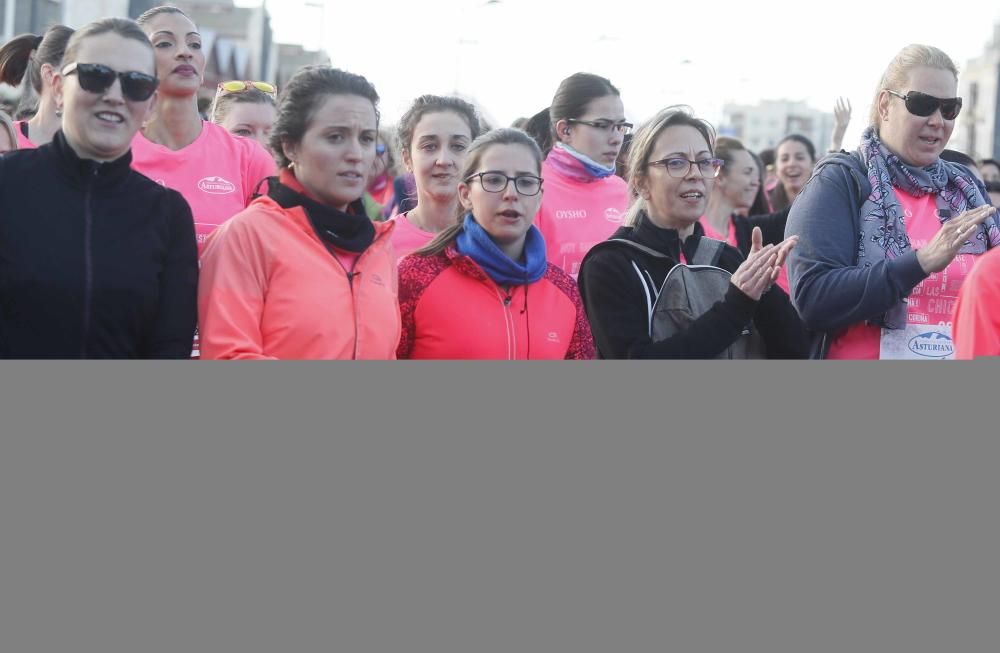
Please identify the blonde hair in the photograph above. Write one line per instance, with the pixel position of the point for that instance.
(643, 142)
(896, 74)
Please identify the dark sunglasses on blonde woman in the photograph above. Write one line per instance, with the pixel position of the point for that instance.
(238, 86)
(97, 78)
(923, 105)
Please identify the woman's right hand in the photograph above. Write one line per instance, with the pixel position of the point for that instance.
(954, 233)
(761, 268)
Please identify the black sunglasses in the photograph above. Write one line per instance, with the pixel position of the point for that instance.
(97, 78)
(923, 105)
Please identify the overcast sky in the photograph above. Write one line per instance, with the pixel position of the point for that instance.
(510, 55)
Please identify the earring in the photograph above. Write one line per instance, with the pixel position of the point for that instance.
(59, 112)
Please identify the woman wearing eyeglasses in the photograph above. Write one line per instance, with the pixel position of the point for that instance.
(216, 172)
(245, 108)
(672, 171)
(889, 232)
(96, 260)
(584, 199)
(482, 289)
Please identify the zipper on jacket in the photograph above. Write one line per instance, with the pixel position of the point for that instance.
(88, 262)
(508, 320)
(351, 275)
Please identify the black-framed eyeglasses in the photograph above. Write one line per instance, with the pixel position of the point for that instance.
(604, 125)
(923, 105)
(496, 182)
(678, 166)
(98, 78)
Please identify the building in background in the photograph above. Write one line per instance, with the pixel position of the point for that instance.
(761, 126)
(978, 125)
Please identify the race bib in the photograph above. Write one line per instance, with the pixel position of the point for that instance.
(917, 342)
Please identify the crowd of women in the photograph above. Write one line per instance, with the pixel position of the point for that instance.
(280, 225)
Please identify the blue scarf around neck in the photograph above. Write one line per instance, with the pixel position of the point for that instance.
(473, 241)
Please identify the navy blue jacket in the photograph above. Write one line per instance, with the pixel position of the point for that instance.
(828, 289)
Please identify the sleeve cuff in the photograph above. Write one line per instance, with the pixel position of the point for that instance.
(906, 272)
(740, 303)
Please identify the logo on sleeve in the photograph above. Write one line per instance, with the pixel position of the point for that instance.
(216, 186)
(613, 215)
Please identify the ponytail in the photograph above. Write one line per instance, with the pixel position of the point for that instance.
(14, 58)
(22, 58)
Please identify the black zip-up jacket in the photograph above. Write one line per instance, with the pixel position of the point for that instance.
(96, 260)
(615, 299)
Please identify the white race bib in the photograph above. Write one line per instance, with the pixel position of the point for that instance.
(917, 342)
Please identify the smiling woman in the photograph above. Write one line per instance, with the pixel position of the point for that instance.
(302, 273)
(111, 271)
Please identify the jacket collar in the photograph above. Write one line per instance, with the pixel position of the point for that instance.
(349, 230)
(81, 170)
(665, 240)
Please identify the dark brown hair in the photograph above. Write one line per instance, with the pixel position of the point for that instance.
(574, 95)
(150, 14)
(304, 94)
(426, 104)
(23, 56)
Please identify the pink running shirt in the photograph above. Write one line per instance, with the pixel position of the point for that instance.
(408, 237)
(217, 174)
(930, 303)
(576, 215)
(23, 142)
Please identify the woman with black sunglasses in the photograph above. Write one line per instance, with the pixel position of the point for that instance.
(889, 232)
(96, 260)
(216, 172)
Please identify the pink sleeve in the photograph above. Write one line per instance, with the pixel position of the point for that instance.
(231, 290)
(259, 165)
(976, 321)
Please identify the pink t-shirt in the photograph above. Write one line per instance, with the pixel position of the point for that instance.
(712, 233)
(576, 215)
(217, 174)
(931, 302)
(407, 237)
(23, 142)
